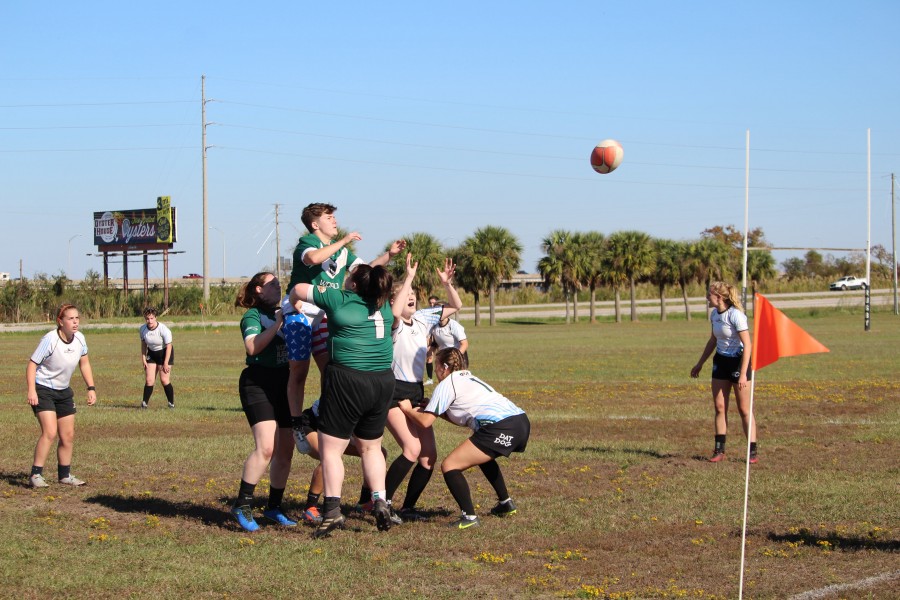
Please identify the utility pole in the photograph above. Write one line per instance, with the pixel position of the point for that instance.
(894, 242)
(205, 215)
(277, 246)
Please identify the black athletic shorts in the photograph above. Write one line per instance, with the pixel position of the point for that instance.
(62, 402)
(354, 402)
(159, 356)
(408, 390)
(503, 437)
(728, 368)
(309, 422)
(263, 393)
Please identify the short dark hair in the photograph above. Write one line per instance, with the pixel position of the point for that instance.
(313, 212)
(150, 311)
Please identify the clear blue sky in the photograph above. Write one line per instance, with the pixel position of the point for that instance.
(443, 118)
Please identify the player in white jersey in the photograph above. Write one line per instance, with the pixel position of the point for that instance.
(51, 398)
(411, 336)
(157, 356)
(450, 334)
(499, 429)
(730, 339)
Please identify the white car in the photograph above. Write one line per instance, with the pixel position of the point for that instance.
(849, 282)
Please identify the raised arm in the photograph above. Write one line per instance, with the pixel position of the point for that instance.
(405, 289)
(320, 255)
(396, 248)
(454, 303)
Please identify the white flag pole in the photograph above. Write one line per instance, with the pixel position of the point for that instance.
(746, 485)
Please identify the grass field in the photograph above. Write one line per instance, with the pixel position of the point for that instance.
(616, 499)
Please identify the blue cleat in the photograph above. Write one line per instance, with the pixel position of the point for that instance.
(244, 516)
(276, 515)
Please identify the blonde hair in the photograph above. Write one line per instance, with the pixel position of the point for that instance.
(727, 293)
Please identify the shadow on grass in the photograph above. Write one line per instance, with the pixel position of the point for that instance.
(18, 478)
(612, 450)
(165, 508)
(836, 541)
(218, 408)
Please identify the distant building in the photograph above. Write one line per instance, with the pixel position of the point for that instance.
(522, 280)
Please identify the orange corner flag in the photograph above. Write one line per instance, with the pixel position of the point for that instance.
(774, 336)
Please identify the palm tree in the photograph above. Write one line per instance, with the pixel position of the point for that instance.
(712, 258)
(665, 270)
(632, 252)
(466, 278)
(591, 248)
(496, 255)
(612, 274)
(687, 272)
(760, 266)
(560, 264)
(428, 251)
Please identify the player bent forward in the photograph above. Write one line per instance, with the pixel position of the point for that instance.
(500, 428)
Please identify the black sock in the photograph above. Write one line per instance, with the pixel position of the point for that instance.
(720, 443)
(332, 506)
(365, 494)
(417, 482)
(312, 500)
(63, 471)
(459, 489)
(492, 472)
(148, 391)
(245, 493)
(275, 496)
(752, 448)
(37, 470)
(170, 393)
(429, 368)
(396, 473)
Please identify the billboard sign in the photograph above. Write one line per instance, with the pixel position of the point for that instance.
(136, 229)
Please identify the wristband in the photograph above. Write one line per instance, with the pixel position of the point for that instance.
(91, 388)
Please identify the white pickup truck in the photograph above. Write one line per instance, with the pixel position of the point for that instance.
(849, 282)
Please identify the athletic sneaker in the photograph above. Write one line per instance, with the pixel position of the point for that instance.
(312, 515)
(244, 516)
(717, 456)
(410, 515)
(276, 515)
(754, 458)
(301, 442)
(171, 405)
(364, 508)
(144, 404)
(382, 513)
(464, 522)
(428, 382)
(328, 525)
(504, 509)
(71, 480)
(37, 481)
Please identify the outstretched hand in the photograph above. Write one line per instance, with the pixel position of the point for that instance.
(396, 248)
(411, 267)
(447, 274)
(353, 236)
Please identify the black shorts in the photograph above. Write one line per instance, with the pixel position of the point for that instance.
(728, 368)
(159, 356)
(309, 422)
(354, 402)
(503, 437)
(408, 390)
(263, 393)
(62, 402)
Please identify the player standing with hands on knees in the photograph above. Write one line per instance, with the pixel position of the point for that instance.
(157, 355)
(52, 400)
(320, 260)
(730, 339)
(499, 429)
